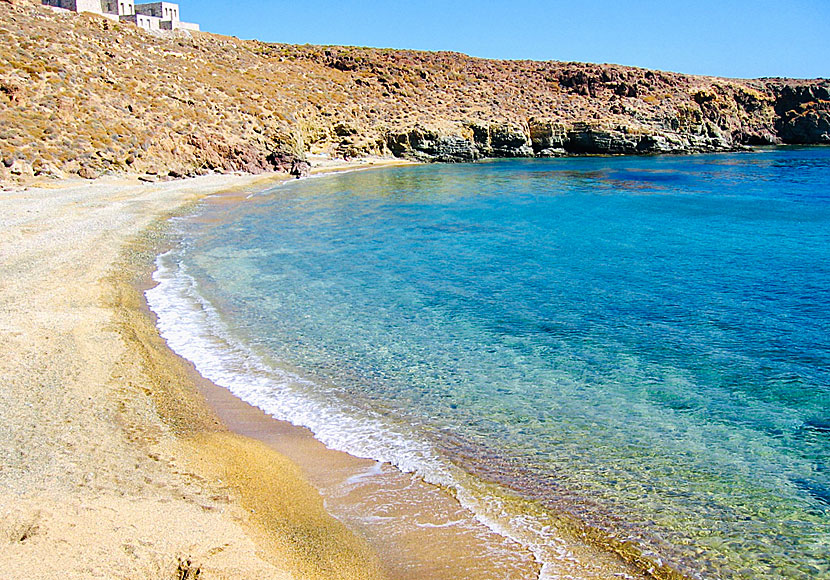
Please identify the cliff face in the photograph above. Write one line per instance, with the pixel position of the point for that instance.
(81, 95)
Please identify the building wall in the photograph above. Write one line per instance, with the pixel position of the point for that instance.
(163, 10)
(93, 6)
(170, 25)
(170, 11)
(143, 21)
(119, 7)
(65, 4)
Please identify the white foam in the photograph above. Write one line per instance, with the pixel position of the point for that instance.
(373, 471)
(194, 329)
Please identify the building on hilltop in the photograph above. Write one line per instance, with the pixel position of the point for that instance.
(118, 7)
(93, 6)
(150, 15)
(167, 14)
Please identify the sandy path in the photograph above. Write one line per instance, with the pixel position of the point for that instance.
(99, 477)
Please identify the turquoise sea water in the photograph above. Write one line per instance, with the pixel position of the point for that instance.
(642, 344)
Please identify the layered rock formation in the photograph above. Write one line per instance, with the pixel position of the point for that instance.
(81, 95)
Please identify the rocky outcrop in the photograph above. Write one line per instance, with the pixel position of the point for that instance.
(803, 113)
(431, 145)
(94, 100)
(501, 140)
(547, 138)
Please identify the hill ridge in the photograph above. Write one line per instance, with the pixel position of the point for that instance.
(81, 95)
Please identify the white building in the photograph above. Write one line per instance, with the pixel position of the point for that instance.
(92, 6)
(161, 10)
(167, 14)
(150, 16)
(119, 7)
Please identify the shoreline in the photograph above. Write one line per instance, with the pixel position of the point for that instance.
(111, 466)
(410, 525)
(413, 527)
(162, 447)
(329, 469)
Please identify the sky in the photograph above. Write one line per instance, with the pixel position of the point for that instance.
(732, 38)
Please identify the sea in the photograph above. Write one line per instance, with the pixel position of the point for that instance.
(631, 350)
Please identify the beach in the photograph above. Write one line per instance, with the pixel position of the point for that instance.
(112, 465)
(119, 461)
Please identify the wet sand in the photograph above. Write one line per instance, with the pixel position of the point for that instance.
(418, 530)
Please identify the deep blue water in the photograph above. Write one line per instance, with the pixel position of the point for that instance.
(640, 343)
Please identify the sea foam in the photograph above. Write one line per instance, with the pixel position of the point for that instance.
(193, 328)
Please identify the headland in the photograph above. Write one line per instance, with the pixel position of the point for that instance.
(83, 95)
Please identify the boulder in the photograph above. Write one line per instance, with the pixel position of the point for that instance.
(300, 168)
(88, 173)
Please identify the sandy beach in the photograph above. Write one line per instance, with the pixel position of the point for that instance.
(114, 466)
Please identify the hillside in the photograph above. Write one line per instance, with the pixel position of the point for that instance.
(82, 95)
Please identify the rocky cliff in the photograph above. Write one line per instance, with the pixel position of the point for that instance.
(82, 95)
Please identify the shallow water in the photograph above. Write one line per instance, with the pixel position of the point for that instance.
(641, 344)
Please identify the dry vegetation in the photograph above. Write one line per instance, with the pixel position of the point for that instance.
(79, 94)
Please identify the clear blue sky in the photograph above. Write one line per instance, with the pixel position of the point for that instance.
(737, 38)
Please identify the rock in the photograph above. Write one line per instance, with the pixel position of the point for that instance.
(429, 145)
(49, 170)
(343, 130)
(21, 168)
(510, 141)
(752, 138)
(803, 113)
(299, 168)
(500, 140)
(809, 128)
(449, 148)
(584, 138)
(546, 135)
(552, 152)
(88, 173)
